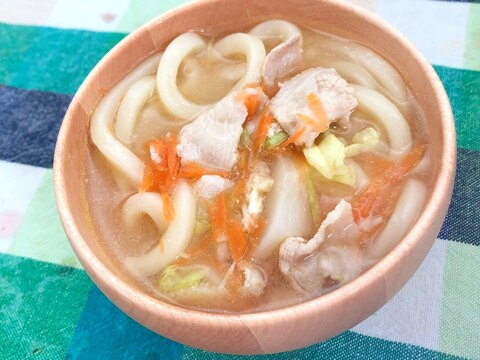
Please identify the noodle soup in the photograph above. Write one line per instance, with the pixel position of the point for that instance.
(256, 170)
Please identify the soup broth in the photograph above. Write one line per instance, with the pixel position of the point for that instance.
(294, 208)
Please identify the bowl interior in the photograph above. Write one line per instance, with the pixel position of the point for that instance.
(373, 288)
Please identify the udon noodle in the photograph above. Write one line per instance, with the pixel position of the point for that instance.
(256, 170)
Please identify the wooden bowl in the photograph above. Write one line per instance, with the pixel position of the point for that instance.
(296, 326)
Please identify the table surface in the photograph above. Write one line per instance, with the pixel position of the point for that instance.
(49, 308)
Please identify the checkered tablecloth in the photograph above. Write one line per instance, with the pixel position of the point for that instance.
(50, 309)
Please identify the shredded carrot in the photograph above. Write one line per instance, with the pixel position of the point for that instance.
(238, 193)
(161, 245)
(294, 137)
(252, 85)
(173, 162)
(307, 120)
(251, 102)
(218, 217)
(237, 240)
(193, 253)
(159, 147)
(168, 210)
(378, 197)
(265, 120)
(235, 281)
(318, 110)
(148, 179)
(193, 171)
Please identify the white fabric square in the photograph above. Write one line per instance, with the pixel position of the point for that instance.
(413, 315)
(18, 184)
(436, 28)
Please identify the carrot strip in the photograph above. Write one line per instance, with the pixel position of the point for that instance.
(158, 154)
(194, 171)
(294, 137)
(251, 102)
(318, 110)
(161, 245)
(193, 253)
(307, 120)
(237, 240)
(168, 210)
(235, 282)
(252, 85)
(148, 179)
(218, 217)
(377, 198)
(238, 193)
(172, 158)
(265, 120)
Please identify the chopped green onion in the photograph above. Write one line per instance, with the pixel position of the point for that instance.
(245, 140)
(275, 139)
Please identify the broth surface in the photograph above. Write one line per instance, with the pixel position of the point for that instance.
(204, 80)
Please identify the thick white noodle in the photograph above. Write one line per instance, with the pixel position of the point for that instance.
(355, 74)
(189, 43)
(180, 48)
(131, 106)
(275, 29)
(386, 75)
(176, 237)
(408, 207)
(249, 46)
(139, 204)
(386, 113)
(101, 125)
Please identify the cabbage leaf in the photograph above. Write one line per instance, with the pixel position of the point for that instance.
(328, 157)
(174, 278)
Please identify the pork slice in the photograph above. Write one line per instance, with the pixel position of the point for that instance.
(335, 95)
(331, 256)
(209, 186)
(281, 61)
(254, 279)
(211, 140)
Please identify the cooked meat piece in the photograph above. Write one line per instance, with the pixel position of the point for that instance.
(281, 61)
(254, 279)
(330, 257)
(212, 139)
(209, 186)
(313, 100)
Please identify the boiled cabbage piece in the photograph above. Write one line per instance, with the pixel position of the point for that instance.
(328, 157)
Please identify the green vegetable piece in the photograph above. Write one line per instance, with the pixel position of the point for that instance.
(174, 279)
(313, 200)
(201, 226)
(275, 139)
(364, 140)
(245, 140)
(328, 158)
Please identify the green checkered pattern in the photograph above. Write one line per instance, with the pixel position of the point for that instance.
(50, 309)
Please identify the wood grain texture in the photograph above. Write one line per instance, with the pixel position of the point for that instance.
(296, 326)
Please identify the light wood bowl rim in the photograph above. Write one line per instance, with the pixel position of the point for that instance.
(440, 194)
